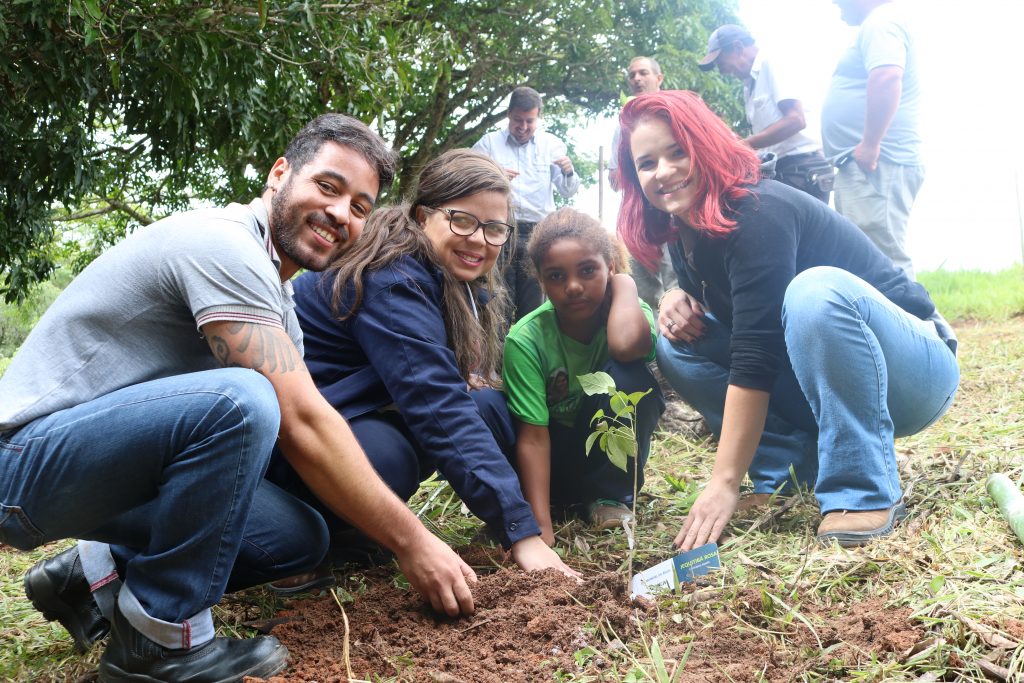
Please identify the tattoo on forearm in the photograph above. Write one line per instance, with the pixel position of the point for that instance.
(259, 347)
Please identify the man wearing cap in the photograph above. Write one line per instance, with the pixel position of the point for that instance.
(642, 76)
(536, 162)
(775, 112)
(870, 126)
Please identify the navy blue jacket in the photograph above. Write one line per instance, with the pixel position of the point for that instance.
(395, 350)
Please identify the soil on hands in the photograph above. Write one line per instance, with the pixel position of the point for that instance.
(529, 626)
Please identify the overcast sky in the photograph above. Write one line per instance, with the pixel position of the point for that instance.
(968, 213)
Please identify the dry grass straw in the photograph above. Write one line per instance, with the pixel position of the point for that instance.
(954, 562)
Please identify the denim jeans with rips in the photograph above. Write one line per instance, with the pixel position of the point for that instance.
(864, 371)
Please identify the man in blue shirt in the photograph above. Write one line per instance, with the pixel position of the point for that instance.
(870, 126)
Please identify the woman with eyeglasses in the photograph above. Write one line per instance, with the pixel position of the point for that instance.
(403, 336)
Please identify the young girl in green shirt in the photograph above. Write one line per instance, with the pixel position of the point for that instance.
(592, 320)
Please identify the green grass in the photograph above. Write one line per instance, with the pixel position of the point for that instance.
(977, 295)
(954, 563)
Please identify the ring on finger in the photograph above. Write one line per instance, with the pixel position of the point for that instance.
(670, 324)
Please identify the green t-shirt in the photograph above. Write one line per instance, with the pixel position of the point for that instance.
(542, 365)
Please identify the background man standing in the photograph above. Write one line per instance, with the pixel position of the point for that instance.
(536, 163)
(870, 126)
(774, 111)
(643, 75)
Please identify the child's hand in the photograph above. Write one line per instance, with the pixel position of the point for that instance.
(532, 553)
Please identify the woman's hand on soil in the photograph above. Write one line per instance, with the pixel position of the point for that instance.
(708, 516)
(533, 553)
(680, 317)
(439, 575)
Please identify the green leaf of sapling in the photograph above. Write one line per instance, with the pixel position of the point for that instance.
(596, 383)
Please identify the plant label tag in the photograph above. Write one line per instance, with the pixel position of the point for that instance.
(697, 562)
(655, 579)
(667, 575)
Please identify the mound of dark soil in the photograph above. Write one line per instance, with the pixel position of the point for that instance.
(527, 626)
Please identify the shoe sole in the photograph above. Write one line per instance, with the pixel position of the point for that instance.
(854, 539)
(54, 608)
(322, 582)
(109, 673)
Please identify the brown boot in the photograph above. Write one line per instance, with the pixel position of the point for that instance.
(851, 528)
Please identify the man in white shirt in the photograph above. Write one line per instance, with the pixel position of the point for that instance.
(774, 111)
(535, 161)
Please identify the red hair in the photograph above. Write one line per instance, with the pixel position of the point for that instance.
(723, 166)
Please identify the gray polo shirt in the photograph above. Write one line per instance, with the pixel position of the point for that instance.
(134, 314)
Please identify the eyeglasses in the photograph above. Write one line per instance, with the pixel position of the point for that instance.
(465, 224)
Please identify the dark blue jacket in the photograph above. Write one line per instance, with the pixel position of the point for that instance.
(395, 350)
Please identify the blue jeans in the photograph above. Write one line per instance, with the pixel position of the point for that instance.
(166, 472)
(863, 372)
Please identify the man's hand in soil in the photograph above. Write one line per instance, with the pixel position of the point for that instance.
(708, 516)
(439, 575)
(533, 553)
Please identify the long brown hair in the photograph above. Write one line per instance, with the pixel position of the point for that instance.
(394, 232)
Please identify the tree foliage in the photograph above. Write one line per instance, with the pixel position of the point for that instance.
(114, 113)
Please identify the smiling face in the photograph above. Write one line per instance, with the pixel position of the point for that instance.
(319, 210)
(663, 168)
(642, 77)
(575, 276)
(523, 124)
(466, 257)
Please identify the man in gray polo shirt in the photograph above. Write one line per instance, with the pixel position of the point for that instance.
(870, 126)
(142, 411)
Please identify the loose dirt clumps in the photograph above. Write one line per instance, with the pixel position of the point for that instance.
(528, 626)
(740, 639)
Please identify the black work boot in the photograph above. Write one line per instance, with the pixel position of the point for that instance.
(58, 588)
(131, 656)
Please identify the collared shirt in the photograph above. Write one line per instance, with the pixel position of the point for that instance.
(762, 93)
(534, 161)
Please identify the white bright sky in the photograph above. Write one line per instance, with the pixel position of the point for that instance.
(968, 214)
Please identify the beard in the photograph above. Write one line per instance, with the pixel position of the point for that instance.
(288, 224)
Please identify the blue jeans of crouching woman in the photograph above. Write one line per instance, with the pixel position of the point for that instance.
(170, 474)
(578, 477)
(863, 372)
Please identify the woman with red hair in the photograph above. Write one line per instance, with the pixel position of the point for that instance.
(803, 346)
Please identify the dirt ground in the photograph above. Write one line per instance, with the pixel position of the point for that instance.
(530, 626)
